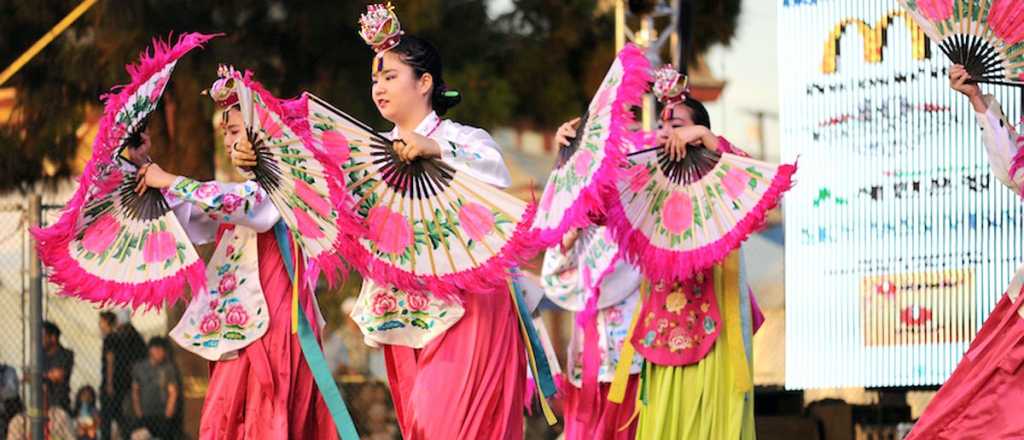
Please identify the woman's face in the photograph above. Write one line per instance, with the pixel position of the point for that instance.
(396, 89)
(679, 116)
(234, 128)
(676, 116)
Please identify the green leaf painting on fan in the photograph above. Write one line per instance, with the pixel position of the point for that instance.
(424, 222)
(580, 160)
(675, 216)
(302, 178)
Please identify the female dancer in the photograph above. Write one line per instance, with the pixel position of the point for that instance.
(977, 399)
(697, 382)
(260, 385)
(698, 374)
(468, 381)
(587, 263)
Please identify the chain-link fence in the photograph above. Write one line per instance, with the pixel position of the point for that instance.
(79, 369)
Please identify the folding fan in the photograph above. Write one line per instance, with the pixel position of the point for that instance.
(428, 226)
(985, 36)
(587, 165)
(673, 218)
(300, 180)
(112, 245)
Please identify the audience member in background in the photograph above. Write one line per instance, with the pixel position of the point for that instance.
(9, 402)
(57, 365)
(85, 413)
(58, 426)
(156, 392)
(122, 348)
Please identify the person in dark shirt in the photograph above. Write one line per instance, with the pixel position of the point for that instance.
(156, 392)
(57, 366)
(122, 348)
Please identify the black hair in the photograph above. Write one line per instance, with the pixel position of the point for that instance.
(698, 113)
(78, 399)
(51, 329)
(159, 341)
(423, 57)
(108, 317)
(224, 114)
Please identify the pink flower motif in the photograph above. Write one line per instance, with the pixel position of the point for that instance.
(158, 89)
(101, 234)
(208, 189)
(583, 161)
(159, 247)
(209, 324)
(614, 316)
(267, 122)
(677, 340)
(662, 325)
(568, 275)
(735, 182)
(937, 10)
(229, 251)
(384, 302)
(310, 197)
(307, 227)
(417, 301)
(236, 315)
(389, 230)
(477, 220)
(548, 197)
(336, 147)
(638, 177)
(228, 283)
(231, 202)
(677, 214)
(214, 303)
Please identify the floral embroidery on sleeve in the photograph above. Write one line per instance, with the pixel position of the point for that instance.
(219, 201)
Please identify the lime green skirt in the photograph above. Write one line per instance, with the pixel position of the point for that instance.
(695, 402)
(712, 399)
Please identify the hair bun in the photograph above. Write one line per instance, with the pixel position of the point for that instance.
(445, 99)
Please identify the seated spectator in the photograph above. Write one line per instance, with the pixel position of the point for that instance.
(57, 428)
(85, 413)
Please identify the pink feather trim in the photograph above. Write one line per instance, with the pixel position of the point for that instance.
(662, 265)
(635, 81)
(485, 279)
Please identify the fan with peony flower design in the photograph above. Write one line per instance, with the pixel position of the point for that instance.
(428, 226)
(586, 167)
(112, 245)
(301, 181)
(674, 218)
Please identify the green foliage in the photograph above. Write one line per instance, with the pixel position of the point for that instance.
(537, 65)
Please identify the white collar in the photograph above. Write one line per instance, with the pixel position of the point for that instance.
(425, 126)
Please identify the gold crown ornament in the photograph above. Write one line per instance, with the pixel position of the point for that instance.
(380, 28)
(670, 86)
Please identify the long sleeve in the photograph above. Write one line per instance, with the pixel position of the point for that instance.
(474, 151)
(1001, 144)
(559, 273)
(202, 205)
